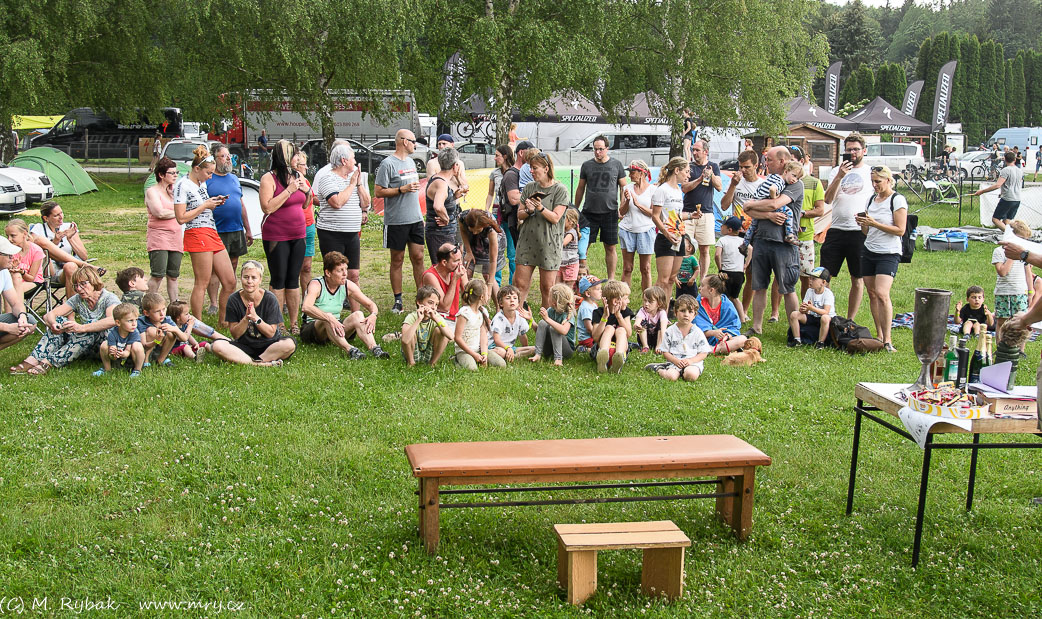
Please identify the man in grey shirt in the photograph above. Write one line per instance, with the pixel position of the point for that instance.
(771, 254)
(398, 183)
(1010, 179)
(600, 180)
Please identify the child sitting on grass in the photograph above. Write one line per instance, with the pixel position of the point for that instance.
(123, 342)
(132, 283)
(771, 188)
(817, 310)
(425, 333)
(651, 321)
(156, 327)
(592, 293)
(471, 334)
(975, 314)
(554, 331)
(612, 327)
(191, 348)
(510, 325)
(717, 316)
(684, 345)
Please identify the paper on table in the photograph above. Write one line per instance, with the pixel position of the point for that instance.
(919, 424)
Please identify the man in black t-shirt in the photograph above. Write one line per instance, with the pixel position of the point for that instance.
(600, 181)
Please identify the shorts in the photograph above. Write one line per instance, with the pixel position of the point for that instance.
(202, 240)
(569, 272)
(584, 242)
(733, 283)
(642, 243)
(664, 249)
(165, 263)
(234, 242)
(1009, 305)
(397, 237)
(309, 241)
(347, 243)
(309, 333)
(806, 249)
(256, 349)
(436, 237)
(873, 264)
(781, 259)
(842, 245)
(702, 231)
(605, 225)
(1006, 209)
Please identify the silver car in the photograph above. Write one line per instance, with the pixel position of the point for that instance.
(12, 198)
(36, 185)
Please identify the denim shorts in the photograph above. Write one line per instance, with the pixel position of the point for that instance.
(642, 243)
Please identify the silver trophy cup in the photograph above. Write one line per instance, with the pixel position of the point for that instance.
(931, 325)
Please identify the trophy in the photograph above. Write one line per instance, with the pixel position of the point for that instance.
(931, 325)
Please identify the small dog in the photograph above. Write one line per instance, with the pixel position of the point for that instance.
(750, 354)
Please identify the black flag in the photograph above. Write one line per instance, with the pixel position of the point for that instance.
(832, 87)
(911, 100)
(942, 101)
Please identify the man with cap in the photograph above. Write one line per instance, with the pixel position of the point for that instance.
(600, 181)
(458, 183)
(15, 326)
(510, 198)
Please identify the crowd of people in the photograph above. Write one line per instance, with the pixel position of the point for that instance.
(530, 226)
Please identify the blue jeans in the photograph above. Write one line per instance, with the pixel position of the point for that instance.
(584, 242)
(511, 250)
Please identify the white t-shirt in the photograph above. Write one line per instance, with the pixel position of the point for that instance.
(471, 326)
(43, 230)
(1012, 282)
(347, 218)
(634, 221)
(671, 199)
(880, 242)
(685, 347)
(192, 196)
(730, 258)
(746, 190)
(509, 331)
(819, 301)
(5, 281)
(854, 191)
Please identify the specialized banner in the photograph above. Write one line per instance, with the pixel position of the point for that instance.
(832, 87)
(911, 100)
(454, 72)
(942, 100)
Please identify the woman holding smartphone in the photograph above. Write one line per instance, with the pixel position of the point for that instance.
(883, 224)
(540, 219)
(283, 200)
(193, 207)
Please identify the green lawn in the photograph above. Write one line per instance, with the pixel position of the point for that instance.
(288, 490)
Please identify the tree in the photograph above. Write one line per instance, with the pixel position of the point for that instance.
(1014, 22)
(851, 90)
(891, 83)
(1033, 80)
(735, 68)
(968, 83)
(990, 76)
(853, 36)
(915, 27)
(1018, 98)
(1008, 90)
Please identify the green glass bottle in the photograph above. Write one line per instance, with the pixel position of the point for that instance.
(951, 362)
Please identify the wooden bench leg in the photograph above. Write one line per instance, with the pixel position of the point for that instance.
(581, 574)
(663, 572)
(742, 519)
(429, 526)
(725, 504)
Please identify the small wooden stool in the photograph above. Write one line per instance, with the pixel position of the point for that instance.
(662, 541)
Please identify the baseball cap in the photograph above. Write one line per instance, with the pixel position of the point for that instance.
(733, 223)
(820, 273)
(523, 145)
(8, 248)
(445, 137)
(589, 282)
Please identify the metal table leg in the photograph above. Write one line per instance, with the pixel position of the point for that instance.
(973, 472)
(923, 483)
(853, 459)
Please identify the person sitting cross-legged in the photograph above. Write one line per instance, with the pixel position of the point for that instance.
(255, 321)
(323, 303)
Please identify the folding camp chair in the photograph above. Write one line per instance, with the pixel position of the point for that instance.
(46, 295)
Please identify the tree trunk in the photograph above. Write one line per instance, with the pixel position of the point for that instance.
(504, 103)
(6, 145)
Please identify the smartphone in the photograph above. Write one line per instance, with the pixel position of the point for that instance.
(846, 158)
(862, 214)
(540, 194)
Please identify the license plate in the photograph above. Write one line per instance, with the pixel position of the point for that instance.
(19, 200)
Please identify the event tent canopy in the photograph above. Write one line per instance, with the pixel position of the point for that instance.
(25, 123)
(881, 117)
(802, 111)
(67, 177)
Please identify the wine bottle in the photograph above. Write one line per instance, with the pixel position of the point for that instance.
(964, 364)
(939, 366)
(978, 360)
(951, 362)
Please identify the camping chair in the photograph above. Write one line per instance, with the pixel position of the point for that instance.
(939, 191)
(46, 295)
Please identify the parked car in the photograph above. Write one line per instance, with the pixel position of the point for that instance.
(477, 154)
(12, 198)
(970, 160)
(182, 150)
(366, 158)
(897, 156)
(421, 155)
(36, 185)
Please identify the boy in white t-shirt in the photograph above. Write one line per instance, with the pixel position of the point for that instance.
(511, 325)
(729, 260)
(818, 308)
(684, 345)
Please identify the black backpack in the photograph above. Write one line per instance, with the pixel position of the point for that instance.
(911, 223)
(849, 336)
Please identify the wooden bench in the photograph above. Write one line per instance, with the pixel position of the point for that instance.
(728, 459)
(663, 566)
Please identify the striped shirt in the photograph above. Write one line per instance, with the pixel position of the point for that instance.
(347, 218)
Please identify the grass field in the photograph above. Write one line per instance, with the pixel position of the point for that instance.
(287, 491)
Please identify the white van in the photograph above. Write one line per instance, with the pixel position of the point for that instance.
(897, 156)
(1022, 137)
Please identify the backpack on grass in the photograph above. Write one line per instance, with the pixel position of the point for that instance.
(849, 336)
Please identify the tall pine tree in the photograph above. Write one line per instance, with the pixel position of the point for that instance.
(1018, 97)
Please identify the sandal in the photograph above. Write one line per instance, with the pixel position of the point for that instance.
(294, 330)
(39, 370)
(275, 364)
(21, 369)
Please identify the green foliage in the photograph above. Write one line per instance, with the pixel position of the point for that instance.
(1016, 23)
(851, 107)
(1033, 82)
(854, 36)
(968, 89)
(891, 83)
(1008, 90)
(1018, 99)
